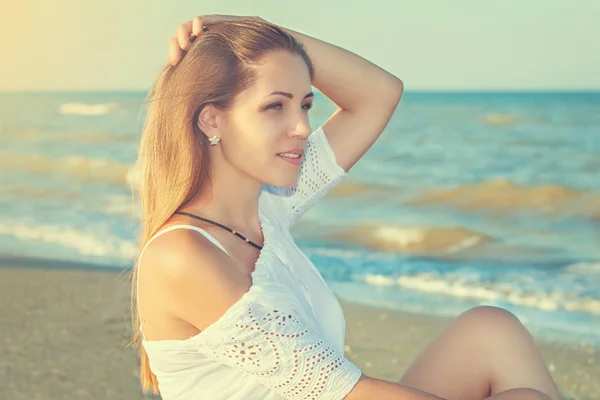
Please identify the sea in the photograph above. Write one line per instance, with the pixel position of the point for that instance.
(466, 199)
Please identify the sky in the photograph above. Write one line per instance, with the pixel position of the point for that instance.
(432, 45)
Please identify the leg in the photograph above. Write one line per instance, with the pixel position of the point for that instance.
(519, 394)
(483, 352)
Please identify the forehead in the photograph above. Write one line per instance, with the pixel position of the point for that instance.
(281, 71)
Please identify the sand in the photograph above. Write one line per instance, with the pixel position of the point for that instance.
(64, 330)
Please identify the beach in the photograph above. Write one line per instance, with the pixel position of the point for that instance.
(461, 202)
(65, 327)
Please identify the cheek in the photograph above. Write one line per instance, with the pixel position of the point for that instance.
(262, 144)
(256, 149)
(257, 140)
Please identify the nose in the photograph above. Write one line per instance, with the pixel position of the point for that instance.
(303, 129)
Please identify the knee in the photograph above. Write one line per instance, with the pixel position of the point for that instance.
(489, 315)
(488, 321)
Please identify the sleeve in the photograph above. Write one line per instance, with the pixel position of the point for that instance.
(319, 173)
(281, 351)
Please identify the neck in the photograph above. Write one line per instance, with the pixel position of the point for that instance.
(231, 199)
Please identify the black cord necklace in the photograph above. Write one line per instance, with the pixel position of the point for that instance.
(221, 226)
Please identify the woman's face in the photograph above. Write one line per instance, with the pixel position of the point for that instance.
(262, 124)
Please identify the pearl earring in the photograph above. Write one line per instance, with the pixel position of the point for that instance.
(214, 140)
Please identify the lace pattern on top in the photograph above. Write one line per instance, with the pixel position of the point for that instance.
(281, 350)
(319, 173)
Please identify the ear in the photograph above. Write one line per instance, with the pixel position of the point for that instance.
(209, 120)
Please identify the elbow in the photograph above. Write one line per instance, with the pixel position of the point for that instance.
(385, 97)
(397, 87)
(391, 93)
(397, 84)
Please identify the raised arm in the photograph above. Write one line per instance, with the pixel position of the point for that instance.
(366, 95)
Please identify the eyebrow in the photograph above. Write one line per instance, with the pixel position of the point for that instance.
(289, 95)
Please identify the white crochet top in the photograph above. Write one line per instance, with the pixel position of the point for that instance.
(284, 339)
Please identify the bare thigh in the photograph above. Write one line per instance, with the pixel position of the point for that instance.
(519, 394)
(484, 351)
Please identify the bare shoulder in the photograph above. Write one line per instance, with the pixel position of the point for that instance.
(199, 281)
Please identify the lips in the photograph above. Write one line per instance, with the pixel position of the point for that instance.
(300, 152)
(293, 160)
(287, 155)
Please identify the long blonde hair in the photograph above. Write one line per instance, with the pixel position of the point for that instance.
(173, 159)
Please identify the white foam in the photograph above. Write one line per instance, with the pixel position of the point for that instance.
(466, 287)
(380, 280)
(465, 244)
(84, 242)
(417, 239)
(404, 236)
(86, 109)
(338, 253)
(584, 268)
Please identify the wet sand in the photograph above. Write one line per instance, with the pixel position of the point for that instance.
(64, 330)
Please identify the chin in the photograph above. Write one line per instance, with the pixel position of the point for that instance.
(285, 182)
(283, 177)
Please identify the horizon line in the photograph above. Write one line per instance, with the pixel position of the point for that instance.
(429, 91)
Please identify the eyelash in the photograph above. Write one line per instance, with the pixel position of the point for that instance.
(279, 104)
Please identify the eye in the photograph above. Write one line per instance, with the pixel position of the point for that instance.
(274, 106)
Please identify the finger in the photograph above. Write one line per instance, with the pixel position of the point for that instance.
(174, 51)
(197, 26)
(183, 34)
(201, 22)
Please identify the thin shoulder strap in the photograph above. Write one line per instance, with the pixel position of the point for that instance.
(194, 228)
(157, 234)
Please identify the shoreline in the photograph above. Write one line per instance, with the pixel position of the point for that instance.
(65, 326)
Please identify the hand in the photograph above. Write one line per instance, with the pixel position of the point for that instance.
(190, 30)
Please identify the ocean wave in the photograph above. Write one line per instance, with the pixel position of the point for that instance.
(584, 268)
(458, 287)
(81, 168)
(503, 195)
(36, 135)
(40, 193)
(500, 119)
(119, 205)
(86, 109)
(421, 240)
(83, 242)
(350, 188)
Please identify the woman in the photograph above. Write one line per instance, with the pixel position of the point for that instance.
(225, 305)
